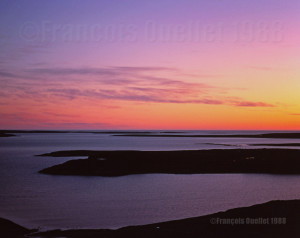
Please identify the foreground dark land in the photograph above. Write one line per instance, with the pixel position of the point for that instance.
(118, 163)
(271, 219)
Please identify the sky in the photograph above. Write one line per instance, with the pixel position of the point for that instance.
(159, 64)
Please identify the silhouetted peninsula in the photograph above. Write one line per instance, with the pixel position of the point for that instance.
(118, 163)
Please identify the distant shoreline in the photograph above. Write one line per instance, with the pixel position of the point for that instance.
(2, 134)
(270, 219)
(277, 135)
(267, 135)
(120, 163)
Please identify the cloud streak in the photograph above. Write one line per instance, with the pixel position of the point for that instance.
(7, 74)
(109, 71)
(150, 95)
(252, 104)
(136, 84)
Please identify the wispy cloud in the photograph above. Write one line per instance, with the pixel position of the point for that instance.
(62, 115)
(252, 104)
(151, 95)
(76, 125)
(10, 53)
(132, 94)
(139, 84)
(109, 71)
(7, 74)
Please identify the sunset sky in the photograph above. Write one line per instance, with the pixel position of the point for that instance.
(157, 64)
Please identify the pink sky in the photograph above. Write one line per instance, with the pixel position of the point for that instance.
(150, 65)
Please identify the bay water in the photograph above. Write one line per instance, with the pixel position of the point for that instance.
(53, 201)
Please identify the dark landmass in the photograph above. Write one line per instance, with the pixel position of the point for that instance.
(273, 144)
(30, 132)
(216, 144)
(160, 133)
(268, 135)
(119, 163)
(124, 132)
(2, 134)
(172, 132)
(12, 230)
(139, 132)
(71, 153)
(285, 144)
(272, 219)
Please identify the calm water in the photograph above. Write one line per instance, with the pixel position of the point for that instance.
(37, 200)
